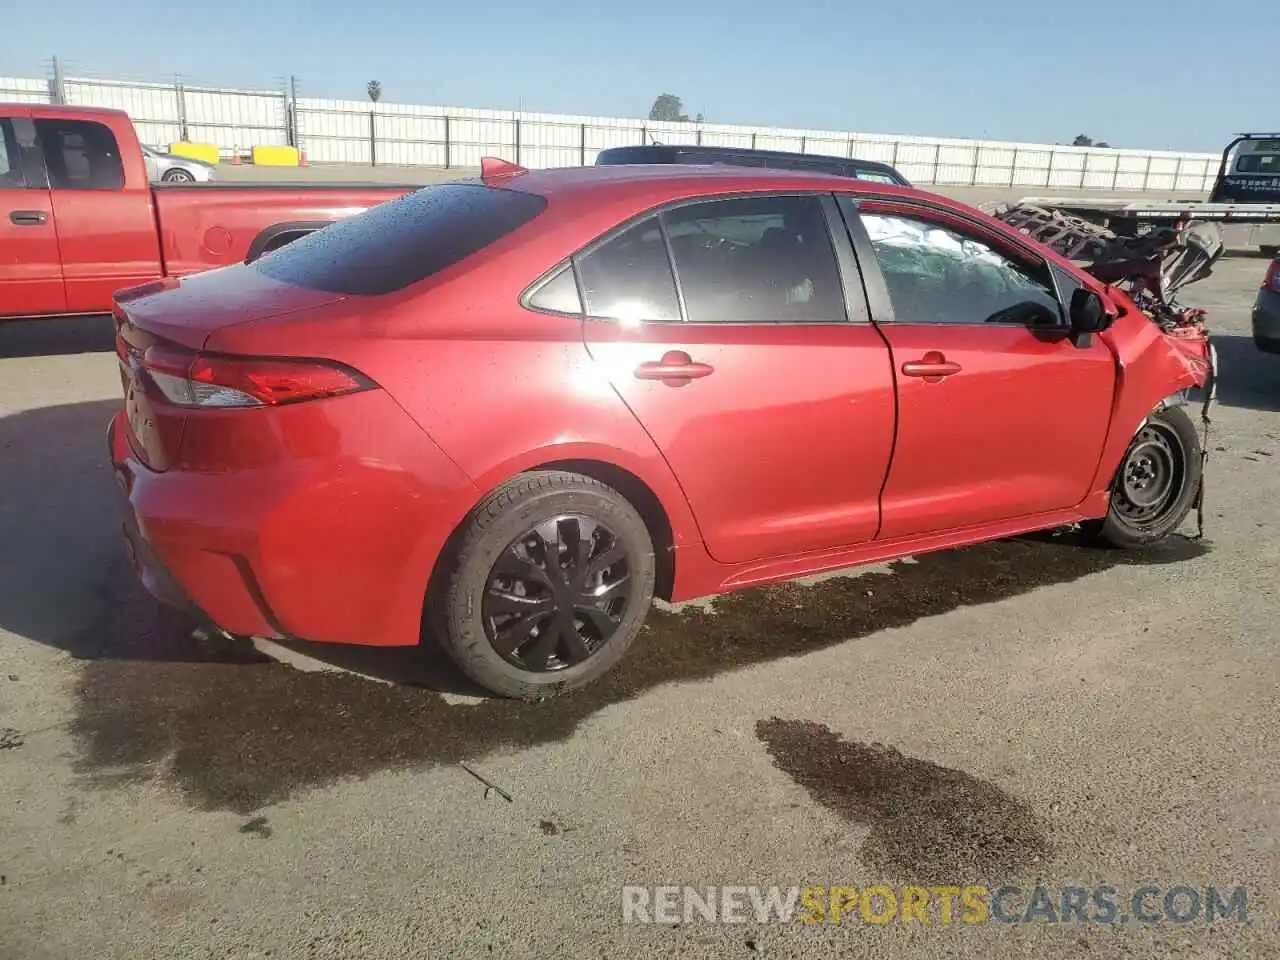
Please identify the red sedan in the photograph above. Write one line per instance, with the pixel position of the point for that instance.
(507, 413)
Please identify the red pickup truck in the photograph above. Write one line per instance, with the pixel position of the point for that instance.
(79, 218)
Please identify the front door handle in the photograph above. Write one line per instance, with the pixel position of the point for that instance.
(676, 367)
(28, 218)
(932, 367)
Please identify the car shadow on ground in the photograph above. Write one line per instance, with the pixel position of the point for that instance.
(237, 730)
(57, 336)
(1247, 377)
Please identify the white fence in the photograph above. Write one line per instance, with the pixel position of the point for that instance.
(358, 132)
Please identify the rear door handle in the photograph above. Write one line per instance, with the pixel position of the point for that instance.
(932, 367)
(28, 218)
(676, 366)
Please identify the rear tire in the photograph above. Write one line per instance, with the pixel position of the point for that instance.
(177, 175)
(551, 581)
(1156, 483)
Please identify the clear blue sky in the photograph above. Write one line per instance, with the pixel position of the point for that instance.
(1175, 74)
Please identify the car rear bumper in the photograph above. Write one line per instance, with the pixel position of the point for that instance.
(1266, 321)
(148, 566)
(336, 547)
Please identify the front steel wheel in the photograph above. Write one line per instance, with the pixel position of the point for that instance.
(1156, 483)
(550, 582)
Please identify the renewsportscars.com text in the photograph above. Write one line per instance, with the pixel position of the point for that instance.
(970, 904)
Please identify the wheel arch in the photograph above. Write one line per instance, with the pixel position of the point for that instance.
(279, 234)
(1153, 371)
(641, 496)
(635, 489)
(1125, 427)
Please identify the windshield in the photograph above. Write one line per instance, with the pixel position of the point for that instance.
(1258, 157)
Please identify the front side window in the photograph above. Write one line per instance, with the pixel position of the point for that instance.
(938, 274)
(756, 260)
(629, 277)
(80, 155)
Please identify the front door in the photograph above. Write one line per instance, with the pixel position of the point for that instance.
(30, 265)
(106, 225)
(772, 404)
(1000, 414)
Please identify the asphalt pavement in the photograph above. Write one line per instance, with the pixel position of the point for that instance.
(1031, 711)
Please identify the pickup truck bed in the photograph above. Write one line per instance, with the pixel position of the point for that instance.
(79, 218)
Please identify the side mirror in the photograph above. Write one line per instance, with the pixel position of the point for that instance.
(1088, 314)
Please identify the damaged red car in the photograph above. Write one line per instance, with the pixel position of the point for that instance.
(505, 414)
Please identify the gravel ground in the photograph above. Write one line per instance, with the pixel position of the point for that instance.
(1022, 712)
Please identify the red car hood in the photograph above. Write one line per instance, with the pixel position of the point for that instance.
(189, 310)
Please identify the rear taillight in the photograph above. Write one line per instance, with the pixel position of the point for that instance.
(1272, 279)
(191, 379)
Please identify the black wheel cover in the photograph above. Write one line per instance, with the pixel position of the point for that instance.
(556, 594)
(1150, 481)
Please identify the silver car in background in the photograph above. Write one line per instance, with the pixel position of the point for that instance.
(170, 168)
(1266, 311)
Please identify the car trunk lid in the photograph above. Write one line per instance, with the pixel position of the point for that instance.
(185, 313)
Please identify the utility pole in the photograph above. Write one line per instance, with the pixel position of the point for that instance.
(58, 93)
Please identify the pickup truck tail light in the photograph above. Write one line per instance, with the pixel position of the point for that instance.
(1272, 279)
(188, 378)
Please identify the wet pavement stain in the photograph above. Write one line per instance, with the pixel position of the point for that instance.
(237, 731)
(929, 824)
(258, 827)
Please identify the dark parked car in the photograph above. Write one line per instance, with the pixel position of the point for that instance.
(1266, 311)
(742, 157)
(508, 413)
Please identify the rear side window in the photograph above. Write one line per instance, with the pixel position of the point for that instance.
(81, 155)
(629, 277)
(10, 159)
(402, 241)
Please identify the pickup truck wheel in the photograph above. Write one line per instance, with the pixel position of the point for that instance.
(1156, 483)
(551, 582)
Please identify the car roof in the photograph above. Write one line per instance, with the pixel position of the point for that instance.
(661, 182)
(66, 111)
(723, 151)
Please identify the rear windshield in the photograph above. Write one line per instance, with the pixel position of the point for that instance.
(402, 241)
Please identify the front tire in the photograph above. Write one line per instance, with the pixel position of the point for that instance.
(177, 175)
(1156, 483)
(550, 584)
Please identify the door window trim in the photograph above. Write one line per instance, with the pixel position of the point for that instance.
(848, 269)
(873, 276)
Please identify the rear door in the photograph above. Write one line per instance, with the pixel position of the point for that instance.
(762, 383)
(1000, 414)
(30, 266)
(106, 224)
